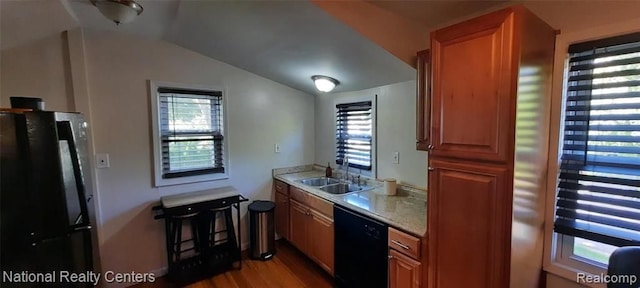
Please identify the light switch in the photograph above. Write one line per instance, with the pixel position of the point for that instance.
(396, 157)
(276, 148)
(102, 160)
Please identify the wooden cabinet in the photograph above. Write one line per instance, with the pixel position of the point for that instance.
(404, 272)
(423, 103)
(467, 212)
(282, 208)
(472, 88)
(312, 229)
(282, 215)
(405, 243)
(299, 226)
(491, 79)
(321, 240)
(404, 260)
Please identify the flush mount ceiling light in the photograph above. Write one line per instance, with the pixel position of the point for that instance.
(324, 83)
(118, 11)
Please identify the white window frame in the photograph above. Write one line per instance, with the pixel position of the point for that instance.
(157, 149)
(373, 173)
(558, 249)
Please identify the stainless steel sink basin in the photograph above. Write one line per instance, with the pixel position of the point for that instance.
(322, 181)
(333, 185)
(342, 188)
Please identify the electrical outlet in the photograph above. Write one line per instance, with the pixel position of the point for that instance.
(276, 148)
(396, 157)
(102, 160)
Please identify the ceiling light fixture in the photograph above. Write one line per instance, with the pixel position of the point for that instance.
(118, 11)
(324, 83)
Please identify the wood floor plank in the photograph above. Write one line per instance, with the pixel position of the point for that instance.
(301, 266)
(223, 281)
(289, 278)
(288, 268)
(240, 280)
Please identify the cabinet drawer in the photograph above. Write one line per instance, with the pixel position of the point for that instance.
(281, 187)
(404, 243)
(298, 194)
(323, 206)
(316, 203)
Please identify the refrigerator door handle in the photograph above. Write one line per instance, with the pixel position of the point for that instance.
(65, 132)
(79, 227)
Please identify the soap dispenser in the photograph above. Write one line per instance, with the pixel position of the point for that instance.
(327, 171)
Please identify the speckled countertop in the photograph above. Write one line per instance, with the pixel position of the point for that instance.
(406, 210)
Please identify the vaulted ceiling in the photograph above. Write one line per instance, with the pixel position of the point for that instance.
(285, 41)
(361, 43)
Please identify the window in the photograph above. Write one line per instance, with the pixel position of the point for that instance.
(189, 135)
(354, 133)
(598, 200)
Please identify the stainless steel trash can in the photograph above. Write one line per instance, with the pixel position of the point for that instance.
(262, 231)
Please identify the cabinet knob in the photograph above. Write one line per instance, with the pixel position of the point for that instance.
(430, 168)
(390, 257)
(430, 147)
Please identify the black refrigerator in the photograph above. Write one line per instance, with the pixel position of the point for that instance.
(47, 213)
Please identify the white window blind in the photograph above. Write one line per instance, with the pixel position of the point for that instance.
(354, 129)
(598, 190)
(191, 132)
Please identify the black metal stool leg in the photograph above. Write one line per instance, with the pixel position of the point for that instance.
(195, 233)
(178, 236)
(169, 239)
(231, 234)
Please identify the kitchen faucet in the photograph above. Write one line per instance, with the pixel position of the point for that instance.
(345, 161)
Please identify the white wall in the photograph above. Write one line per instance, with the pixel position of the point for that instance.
(38, 69)
(396, 131)
(259, 111)
(34, 54)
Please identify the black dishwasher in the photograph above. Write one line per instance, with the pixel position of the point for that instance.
(360, 250)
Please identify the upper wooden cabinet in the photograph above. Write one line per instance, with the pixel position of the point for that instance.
(423, 96)
(474, 82)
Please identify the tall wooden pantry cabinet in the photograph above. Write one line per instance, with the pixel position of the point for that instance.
(490, 93)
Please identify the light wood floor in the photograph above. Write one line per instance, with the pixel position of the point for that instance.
(289, 268)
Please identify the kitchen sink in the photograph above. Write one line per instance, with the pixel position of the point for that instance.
(321, 181)
(342, 188)
(333, 185)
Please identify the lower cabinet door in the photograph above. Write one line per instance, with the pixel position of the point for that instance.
(321, 240)
(468, 213)
(404, 272)
(298, 214)
(282, 215)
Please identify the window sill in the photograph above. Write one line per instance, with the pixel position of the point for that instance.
(570, 273)
(160, 182)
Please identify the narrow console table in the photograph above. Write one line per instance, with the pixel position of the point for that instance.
(210, 247)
